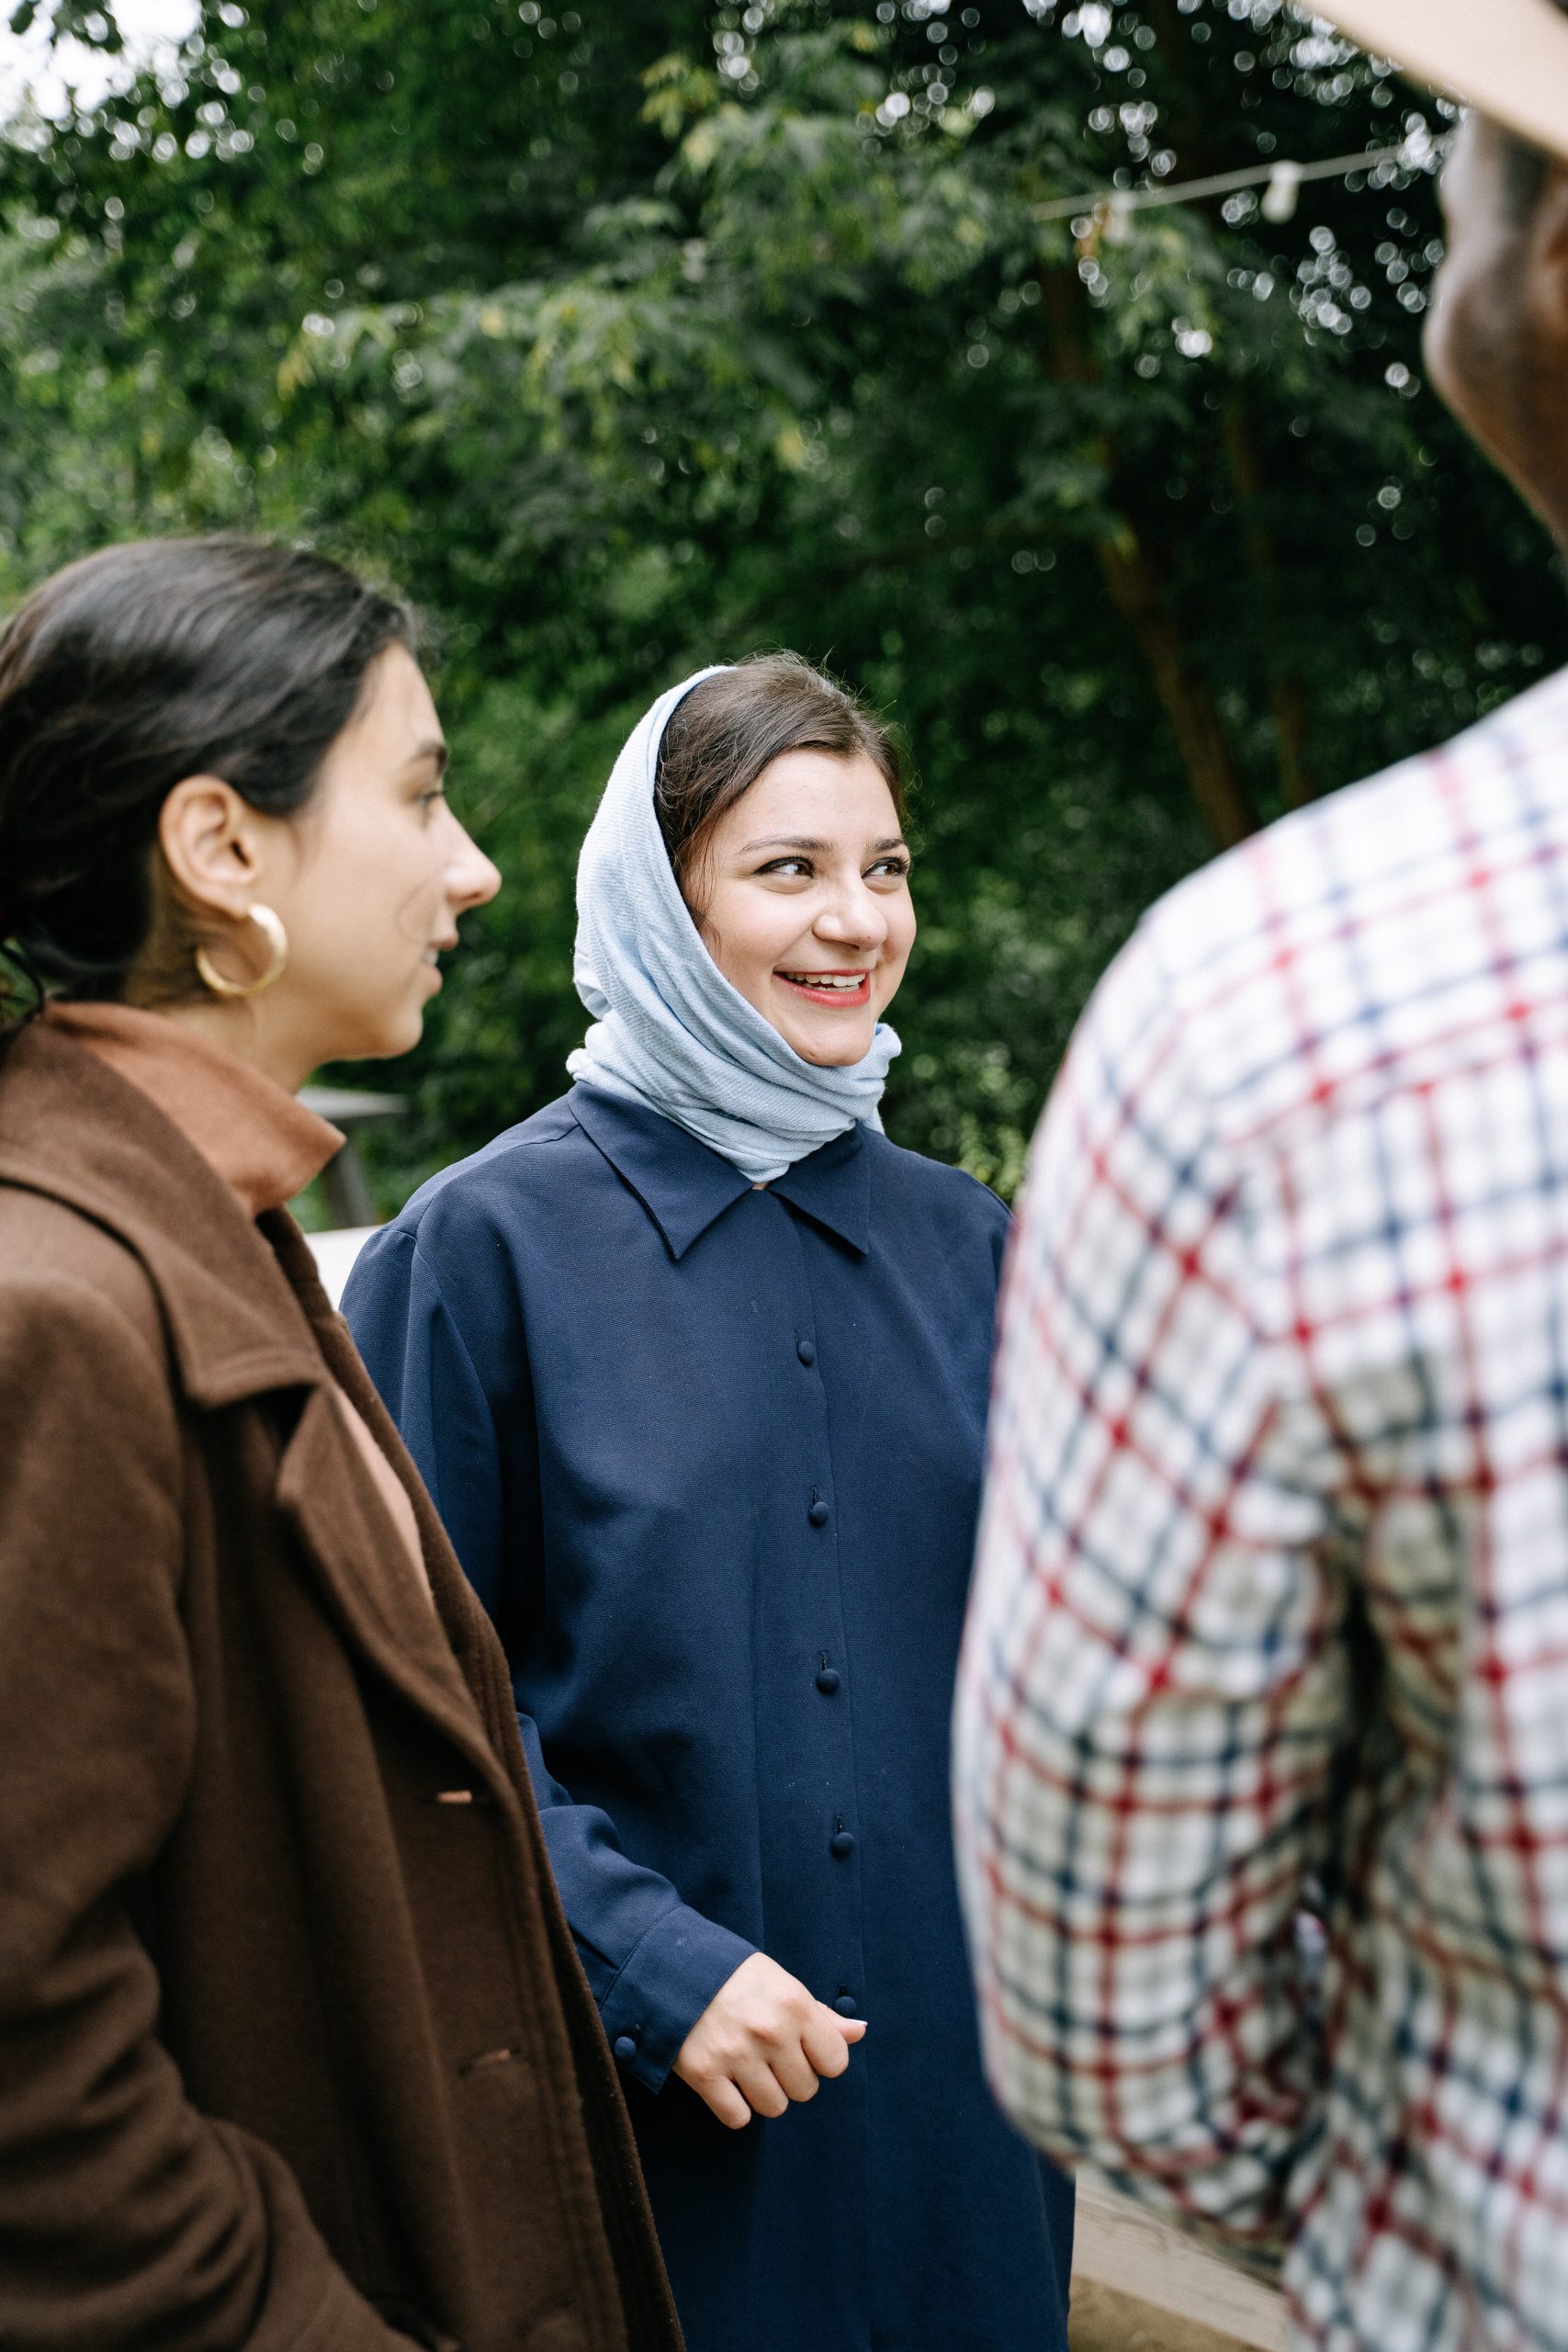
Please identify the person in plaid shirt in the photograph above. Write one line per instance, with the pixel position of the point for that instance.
(1262, 1771)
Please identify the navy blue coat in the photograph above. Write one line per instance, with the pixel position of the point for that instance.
(711, 1456)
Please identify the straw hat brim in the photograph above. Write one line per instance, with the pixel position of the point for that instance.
(1506, 58)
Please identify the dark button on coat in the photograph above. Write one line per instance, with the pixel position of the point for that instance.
(711, 1455)
(296, 2055)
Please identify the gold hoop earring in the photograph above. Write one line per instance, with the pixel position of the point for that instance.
(272, 930)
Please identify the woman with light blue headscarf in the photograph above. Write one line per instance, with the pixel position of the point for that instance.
(695, 1362)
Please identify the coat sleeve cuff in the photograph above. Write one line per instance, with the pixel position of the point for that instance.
(663, 1988)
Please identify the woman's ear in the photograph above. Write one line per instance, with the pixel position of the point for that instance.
(210, 841)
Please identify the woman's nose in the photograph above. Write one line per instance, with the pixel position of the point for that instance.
(471, 878)
(854, 919)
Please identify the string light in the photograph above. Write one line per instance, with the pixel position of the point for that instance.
(1112, 208)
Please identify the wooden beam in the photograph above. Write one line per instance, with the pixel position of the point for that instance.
(1154, 2266)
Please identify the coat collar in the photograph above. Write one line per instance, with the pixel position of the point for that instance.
(75, 1129)
(262, 1140)
(685, 1187)
(833, 1187)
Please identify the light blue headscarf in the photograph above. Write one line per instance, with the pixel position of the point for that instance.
(669, 1030)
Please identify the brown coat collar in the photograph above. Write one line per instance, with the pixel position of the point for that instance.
(246, 1314)
(71, 1127)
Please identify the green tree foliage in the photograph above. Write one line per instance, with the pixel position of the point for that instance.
(648, 333)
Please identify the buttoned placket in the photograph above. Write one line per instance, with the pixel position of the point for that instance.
(821, 1701)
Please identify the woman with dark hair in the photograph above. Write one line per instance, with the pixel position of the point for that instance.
(295, 2052)
(696, 1363)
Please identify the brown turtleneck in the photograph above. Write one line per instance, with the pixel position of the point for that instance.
(263, 1142)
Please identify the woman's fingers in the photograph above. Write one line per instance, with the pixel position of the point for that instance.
(795, 2067)
(762, 2088)
(761, 2042)
(720, 2094)
(825, 2041)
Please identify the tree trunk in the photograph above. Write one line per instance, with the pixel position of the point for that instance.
(1287, 694)
(1138, 591)
(1187, 134)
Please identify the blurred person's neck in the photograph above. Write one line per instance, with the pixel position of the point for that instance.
(251, 1031)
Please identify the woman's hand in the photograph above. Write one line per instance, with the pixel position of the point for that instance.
(762, 2041)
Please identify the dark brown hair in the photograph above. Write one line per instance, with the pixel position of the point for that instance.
(736, 723)
(139, 666)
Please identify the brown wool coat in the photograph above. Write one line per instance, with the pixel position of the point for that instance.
(295, 2051)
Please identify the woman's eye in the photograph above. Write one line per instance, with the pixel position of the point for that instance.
(787, 867)
(896, 868)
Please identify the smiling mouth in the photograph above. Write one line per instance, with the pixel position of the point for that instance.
(830, 988)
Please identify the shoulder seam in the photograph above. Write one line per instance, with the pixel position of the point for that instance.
(410, 1218)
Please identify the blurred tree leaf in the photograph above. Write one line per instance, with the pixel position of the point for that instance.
(650, 333)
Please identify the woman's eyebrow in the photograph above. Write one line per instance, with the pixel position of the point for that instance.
(798, 841)
(435, 750)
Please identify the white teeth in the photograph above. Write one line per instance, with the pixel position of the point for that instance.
(843, 981)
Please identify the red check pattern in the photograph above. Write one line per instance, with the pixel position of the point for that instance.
(1262, 1733)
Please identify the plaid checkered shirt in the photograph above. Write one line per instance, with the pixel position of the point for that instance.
(1262, 1732)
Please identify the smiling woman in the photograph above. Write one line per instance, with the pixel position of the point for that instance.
(813, 922)
(781, 804)
(697, 1360)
